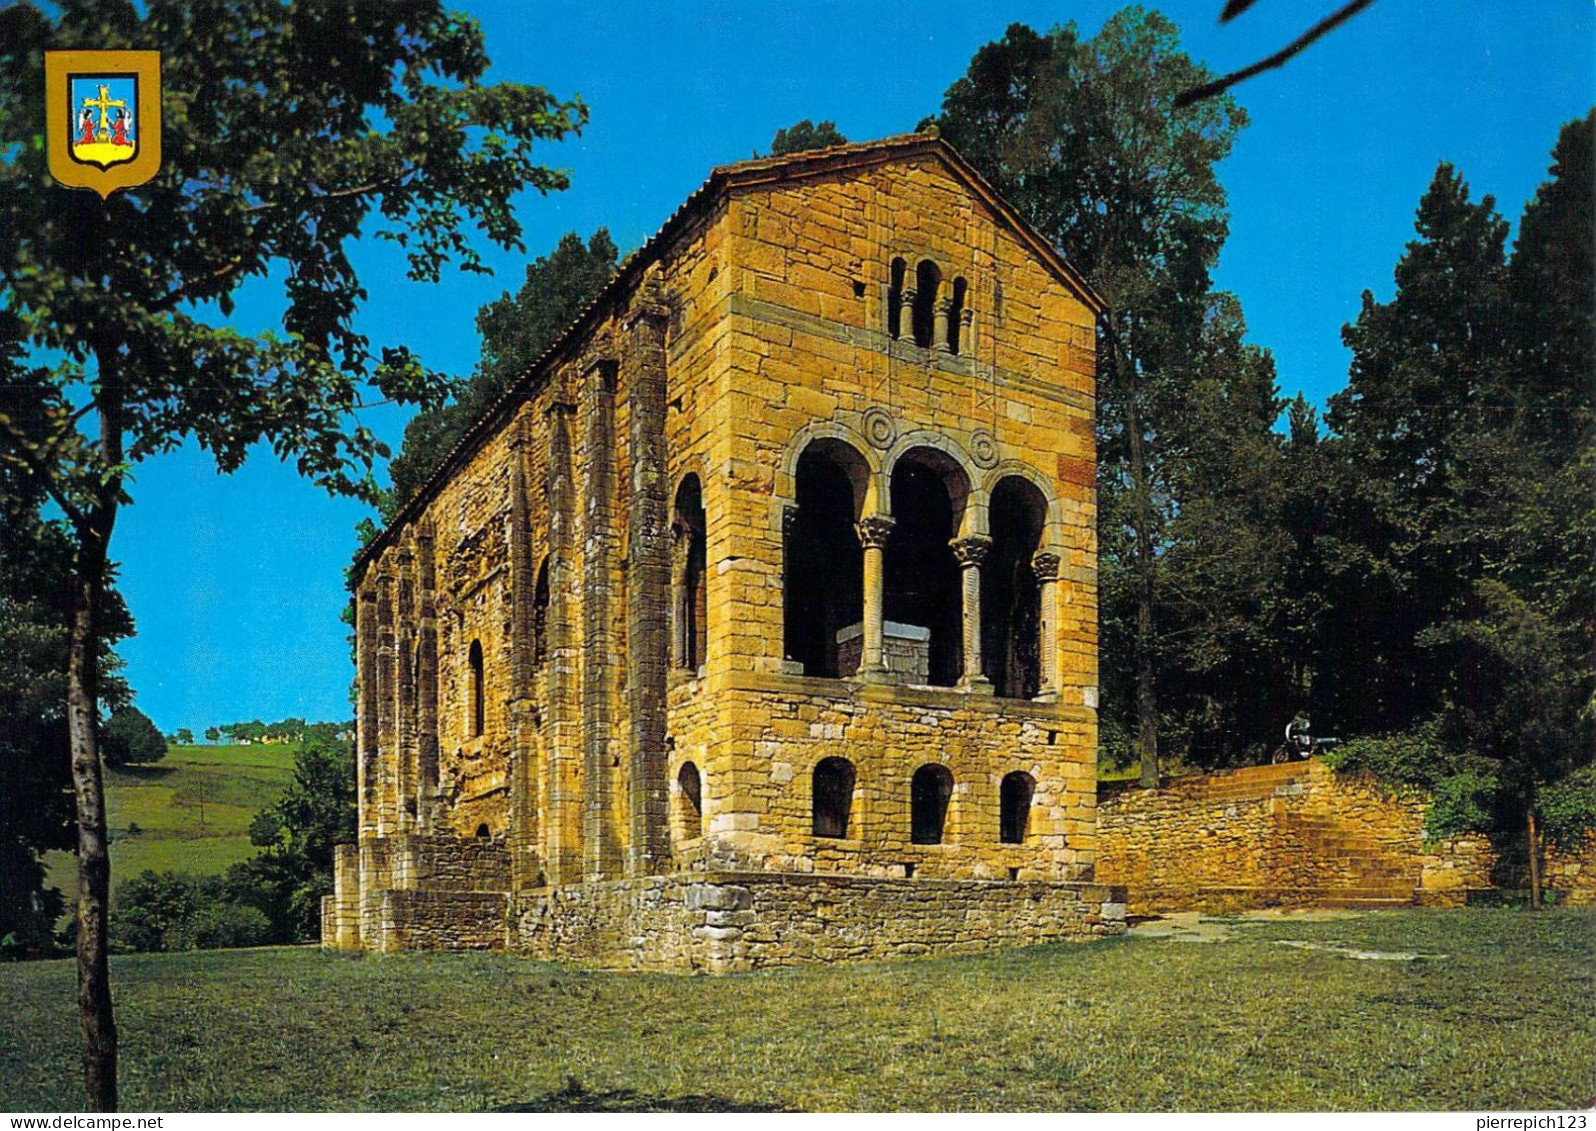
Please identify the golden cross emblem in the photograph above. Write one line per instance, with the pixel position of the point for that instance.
(103, 104)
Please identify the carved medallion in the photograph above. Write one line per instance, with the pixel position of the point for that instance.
(879, 427)
(983, 448)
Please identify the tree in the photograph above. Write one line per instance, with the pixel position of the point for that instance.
(806, 135)
(297, 835)
(289, 130)
(1423, 366)
(1464, 550)
(131, 739)
(1084, 137)
(182, 736)
(36, 816)
(515, 329)
(213, 735)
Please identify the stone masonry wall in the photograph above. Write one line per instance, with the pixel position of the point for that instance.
(721, 922)
(1296, 834)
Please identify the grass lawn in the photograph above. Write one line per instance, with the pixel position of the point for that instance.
(1503, 1020)
(192, 810)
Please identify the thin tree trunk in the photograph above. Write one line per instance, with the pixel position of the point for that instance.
(1534, 861)
(94, 862)
(83, 712)
(1142, 558)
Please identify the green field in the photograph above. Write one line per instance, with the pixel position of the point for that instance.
(192, 810)
(1495, 1016)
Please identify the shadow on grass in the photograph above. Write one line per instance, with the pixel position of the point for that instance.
(142, 773)
(574, 1097)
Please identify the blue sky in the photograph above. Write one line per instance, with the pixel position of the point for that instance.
(236, 582)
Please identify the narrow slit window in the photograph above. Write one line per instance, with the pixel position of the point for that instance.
(691, 790)
(477, 699)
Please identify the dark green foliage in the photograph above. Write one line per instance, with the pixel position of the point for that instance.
(182, 736)
(806, 135)
(287, 879)
(1568, 808)
(1461, 786)
(170, 911)
(36, 814)
(516, 329)
(130, 739)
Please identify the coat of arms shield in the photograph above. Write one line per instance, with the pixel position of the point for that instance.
(103, 117)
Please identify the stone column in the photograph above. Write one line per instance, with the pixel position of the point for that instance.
(427, 680)
(366, 728)
(1044, 564)
(523, 836)
(648, 584)
(387, 745)
(873, 533)
(407, 761)
(906, 314)
(601, 593)
(970, 551)
(561, 829)
(941, 333)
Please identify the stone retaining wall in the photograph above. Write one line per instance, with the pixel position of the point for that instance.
(718, 922)
(1296, 834)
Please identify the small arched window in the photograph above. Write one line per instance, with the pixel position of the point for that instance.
(690, 789)
(482, 831)
(1014, 803)
(475, 691)
(540, 616)
(689, 605)
(956, 316)
(833, 797)
(929, 792)
(895, 298)
(927, 280)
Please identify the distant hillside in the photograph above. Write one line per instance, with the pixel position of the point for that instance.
(190, 812)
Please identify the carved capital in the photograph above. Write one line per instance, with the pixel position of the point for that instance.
(874, 530)
(971, 550)
(1044, 564)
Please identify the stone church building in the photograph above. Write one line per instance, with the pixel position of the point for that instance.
(757, 623)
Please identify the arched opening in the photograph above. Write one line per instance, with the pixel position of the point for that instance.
(1014, 807)
(540, 616)
(482, 831)
(475, 693)
(690, 791)
(929, 792)
(824, 584)
(833, 797)
(689, 603)
(956, 315)
(927, 279)
(921, 578)
(895, 298)
(1010, 596)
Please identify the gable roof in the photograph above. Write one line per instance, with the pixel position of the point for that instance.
(722, 179)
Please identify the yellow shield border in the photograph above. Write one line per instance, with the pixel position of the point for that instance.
(145, 67)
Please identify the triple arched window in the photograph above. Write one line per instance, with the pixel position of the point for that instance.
(926, 309)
